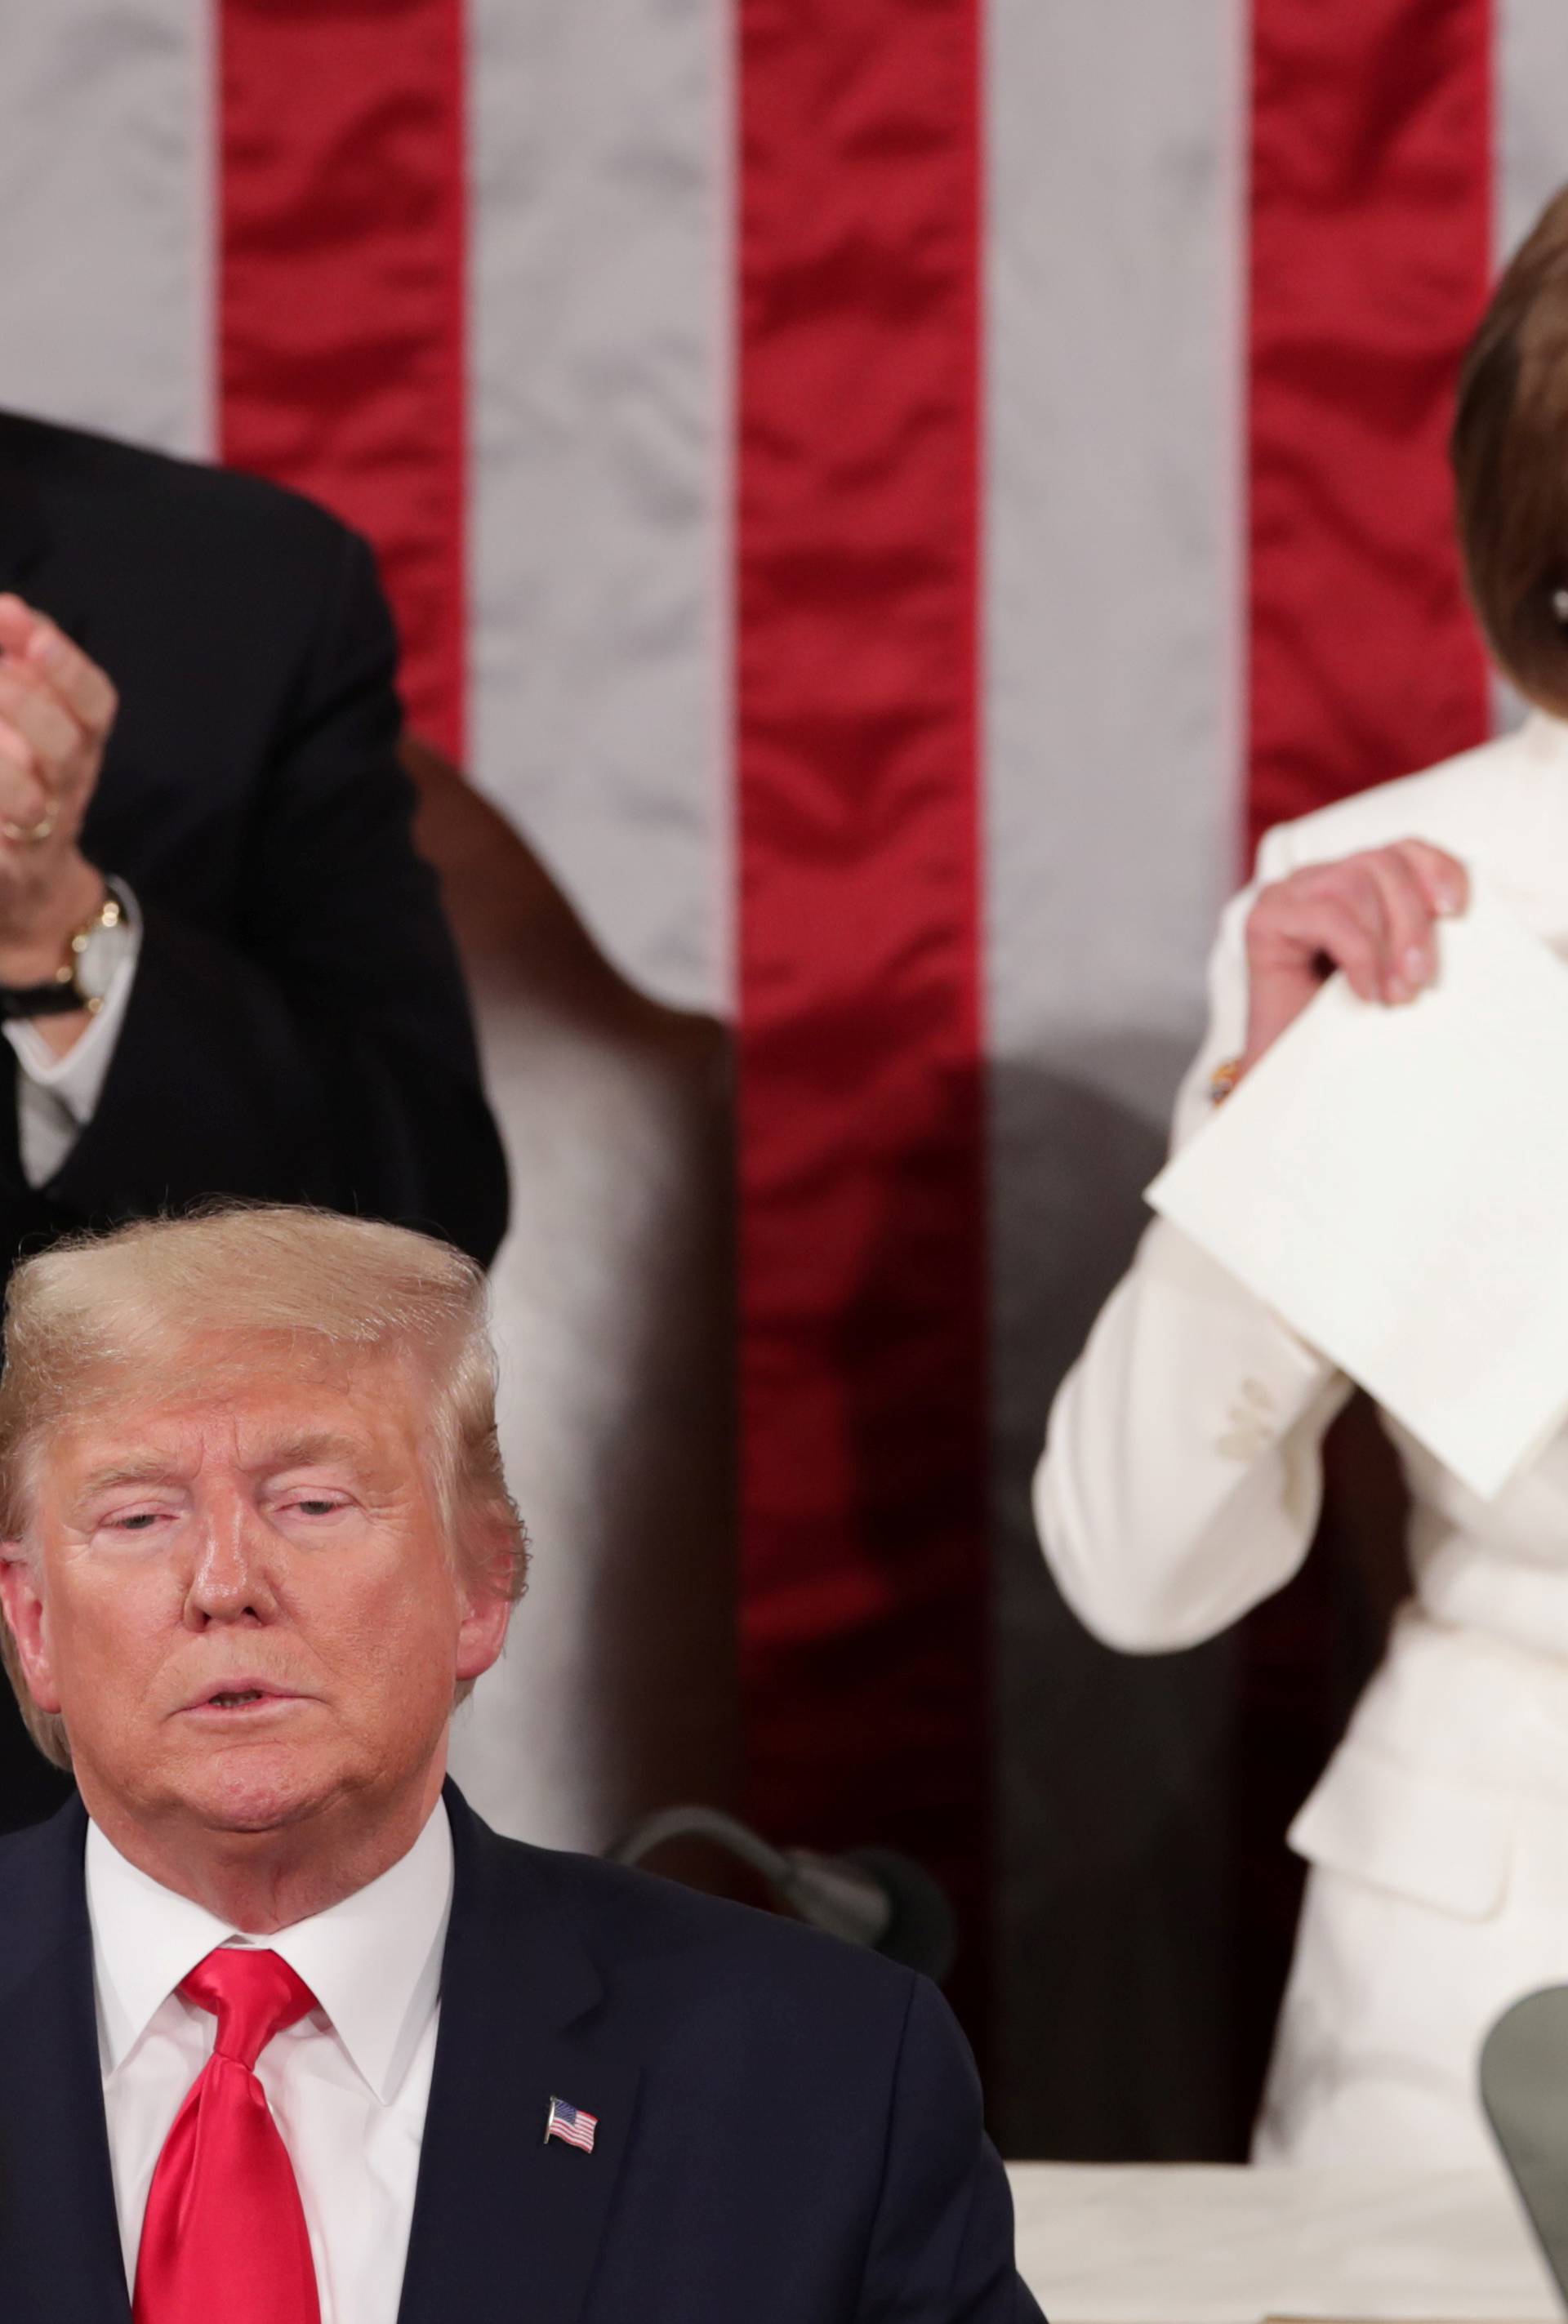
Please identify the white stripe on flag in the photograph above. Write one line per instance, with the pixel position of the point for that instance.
(600, 302)
(1114, 700)
(1532, 113)
(105, 189)
(1114, 626)
(599, 328)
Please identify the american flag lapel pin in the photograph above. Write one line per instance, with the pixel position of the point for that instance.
(571, 2123)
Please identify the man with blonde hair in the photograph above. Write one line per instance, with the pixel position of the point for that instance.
(287, 2034)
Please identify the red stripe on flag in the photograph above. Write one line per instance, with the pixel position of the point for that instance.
(863, 1257)
(341, 293)
(1371, 176)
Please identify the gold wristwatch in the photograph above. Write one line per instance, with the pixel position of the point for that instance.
(94, 951)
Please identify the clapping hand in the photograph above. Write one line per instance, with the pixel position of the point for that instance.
(57, 708)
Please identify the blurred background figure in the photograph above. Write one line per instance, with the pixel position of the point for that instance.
(223, 966)
(881, 626)
(224, 969)
(1182, 1478)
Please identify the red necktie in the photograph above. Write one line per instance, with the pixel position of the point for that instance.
(224, 2234)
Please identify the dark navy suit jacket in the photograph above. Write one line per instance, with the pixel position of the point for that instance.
(788, 2129)
(298, 1030)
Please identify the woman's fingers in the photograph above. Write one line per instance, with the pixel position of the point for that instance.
(1421, 885)
(1410, 954)
(1354, 935)
(1341, 920)
(1443, 877)
(1393, 894)
(1372, 914)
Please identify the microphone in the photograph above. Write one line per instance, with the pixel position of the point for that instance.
(870, 1896)
(1524, 2088)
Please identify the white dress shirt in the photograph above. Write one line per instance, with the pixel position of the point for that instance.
(56, 1096)
(347, 2086)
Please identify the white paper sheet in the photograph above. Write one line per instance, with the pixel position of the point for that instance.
(1394, 1183)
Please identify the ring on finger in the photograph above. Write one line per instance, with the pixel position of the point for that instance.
(30, 834)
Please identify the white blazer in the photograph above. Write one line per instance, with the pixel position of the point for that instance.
(1181, 1477)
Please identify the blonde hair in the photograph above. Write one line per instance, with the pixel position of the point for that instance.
(96, 1311)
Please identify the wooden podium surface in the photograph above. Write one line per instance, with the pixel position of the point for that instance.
(1208, 2244)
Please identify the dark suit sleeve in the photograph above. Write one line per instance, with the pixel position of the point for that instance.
(323, 1050)
(942, 2247)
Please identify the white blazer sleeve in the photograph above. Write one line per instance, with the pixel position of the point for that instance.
(1181, 1479)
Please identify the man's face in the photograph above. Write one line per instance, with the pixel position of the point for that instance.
(244, 1603)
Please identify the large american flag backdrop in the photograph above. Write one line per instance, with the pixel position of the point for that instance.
(887, 494)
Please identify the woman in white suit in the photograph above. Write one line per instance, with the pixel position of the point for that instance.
(1181, 1477)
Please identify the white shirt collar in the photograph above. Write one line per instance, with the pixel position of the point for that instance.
(373, 1960)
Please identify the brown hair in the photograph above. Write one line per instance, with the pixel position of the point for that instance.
(1509, 449)
(95, 1310)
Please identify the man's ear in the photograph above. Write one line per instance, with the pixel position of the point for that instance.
(481, 1633)
(486, 1613)
(24, 1616)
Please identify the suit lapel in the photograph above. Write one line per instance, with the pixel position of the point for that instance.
(60, 2247)
(507, 2229)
